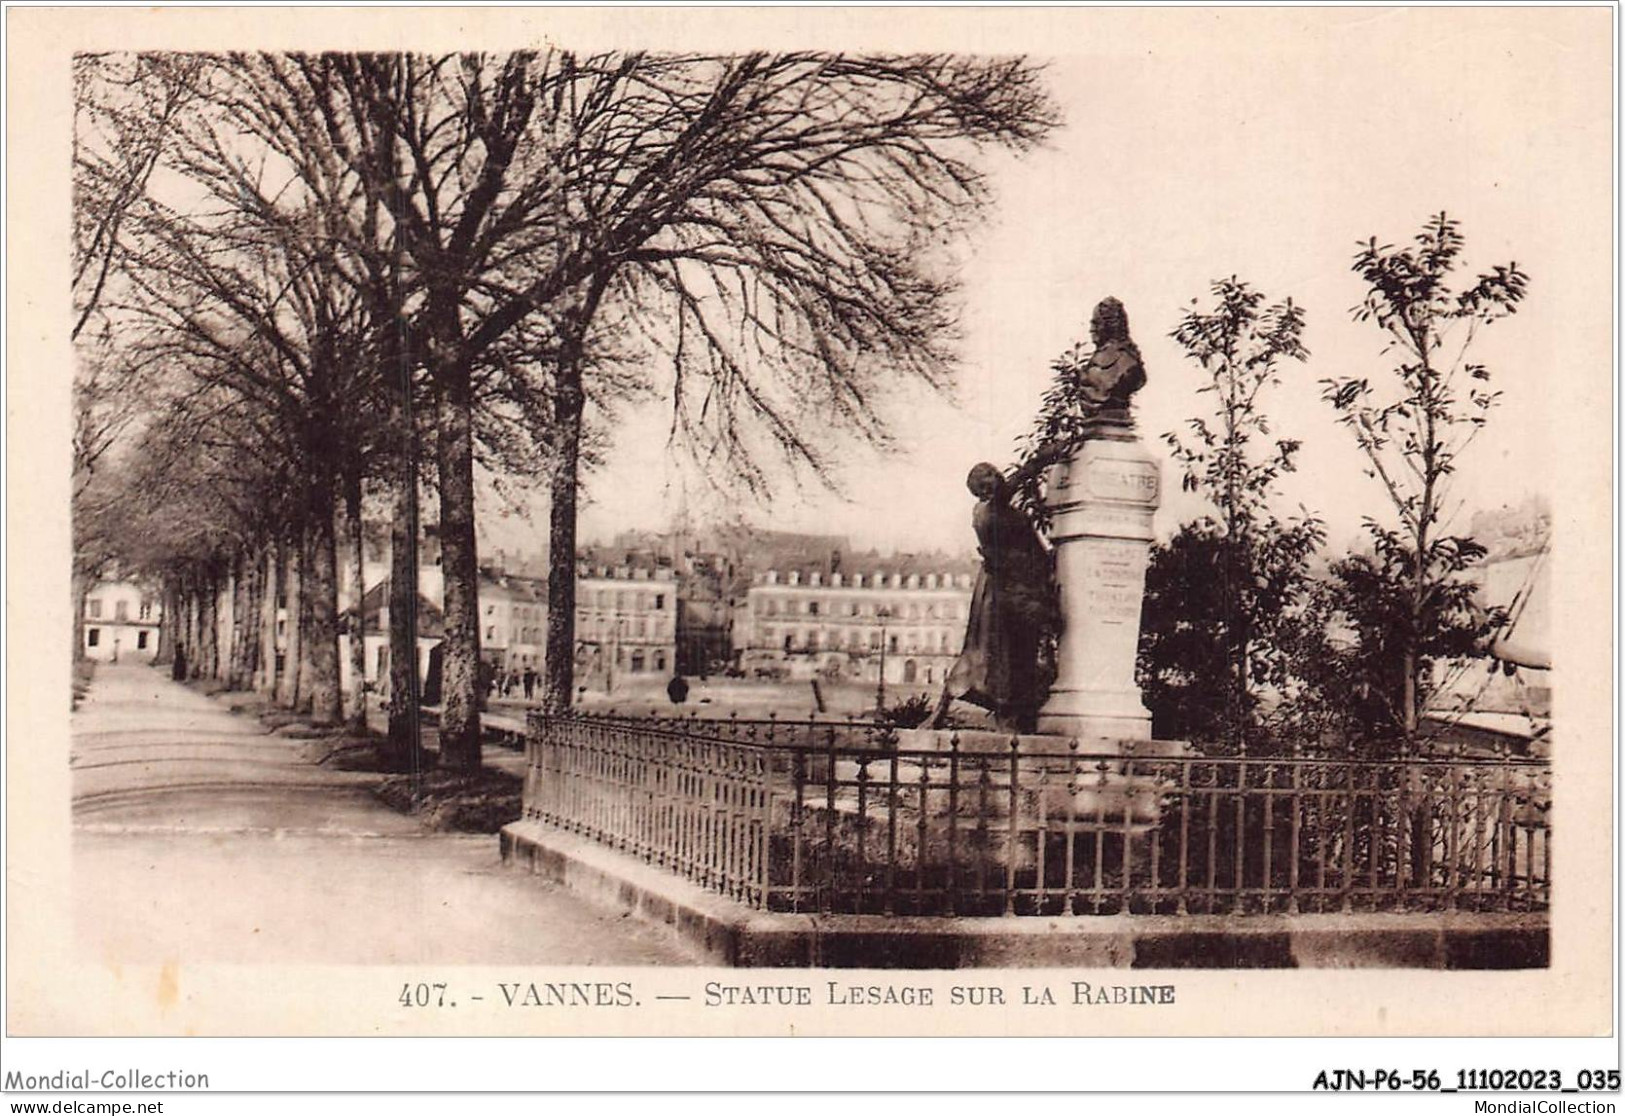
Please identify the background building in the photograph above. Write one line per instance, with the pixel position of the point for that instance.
(513, 620)
(121, 620)
(375, 637)
(908, 611)
(626, 618)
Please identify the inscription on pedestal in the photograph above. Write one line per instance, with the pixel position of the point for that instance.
(1112, 478)
(1114, 580)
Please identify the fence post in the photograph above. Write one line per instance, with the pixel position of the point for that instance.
(1073, 789)
(953, 824)
(826, 899)
(1013, 833)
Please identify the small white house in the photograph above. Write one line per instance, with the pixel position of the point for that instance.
(121, 621)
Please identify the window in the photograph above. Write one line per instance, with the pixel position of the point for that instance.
(93, 608)
(121, 611)
(490, 633)
(891, 643)
(660, 659)
(660, 603)
(789, 641)
(93, 637)
(141, 641)
(146, 610)
(812, 608)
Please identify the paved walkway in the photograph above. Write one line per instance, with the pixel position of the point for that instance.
(200, 835)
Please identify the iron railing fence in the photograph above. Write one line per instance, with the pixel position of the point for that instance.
(822, 817)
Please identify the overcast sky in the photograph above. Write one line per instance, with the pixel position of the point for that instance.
(1235, 150)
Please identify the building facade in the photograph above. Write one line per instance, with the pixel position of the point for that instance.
(121, 620)
(626, 622)
(513, 620)
(897, 618)
(375, 638)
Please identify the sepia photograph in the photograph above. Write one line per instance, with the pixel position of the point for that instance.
(812, 521)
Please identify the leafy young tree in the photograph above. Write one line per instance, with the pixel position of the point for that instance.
(1224, 596)
(1413, 428)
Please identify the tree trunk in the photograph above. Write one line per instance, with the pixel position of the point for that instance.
(234, 630)
(559, 687)
(248, 631)
(307, 674)
(403, 752)
(209, 625)
(81, 593)
(355, 537)
(166, 624)
(194, 626)
(321, 639)
(460, 662)
(265, 679)
(319, 643)
(288, 694)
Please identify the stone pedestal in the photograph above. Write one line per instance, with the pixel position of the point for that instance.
(1101, 503)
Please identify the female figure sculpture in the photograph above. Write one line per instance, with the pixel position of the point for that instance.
(1013, 610)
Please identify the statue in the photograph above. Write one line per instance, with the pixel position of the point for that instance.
(1007, 665)
(1113, 372)
(1089, 399)
(1014, 610)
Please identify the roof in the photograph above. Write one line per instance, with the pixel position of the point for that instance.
(1522, 586)
(431, 621)
(531, 590)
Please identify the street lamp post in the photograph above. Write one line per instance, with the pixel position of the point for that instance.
(614, 655)
(882, 615)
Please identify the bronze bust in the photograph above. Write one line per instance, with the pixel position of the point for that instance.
(1113, 372)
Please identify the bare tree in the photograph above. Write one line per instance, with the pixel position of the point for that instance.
(125, 108)
(779, 227)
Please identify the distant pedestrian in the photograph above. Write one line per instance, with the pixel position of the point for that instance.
(530, 683)
(677, 689)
